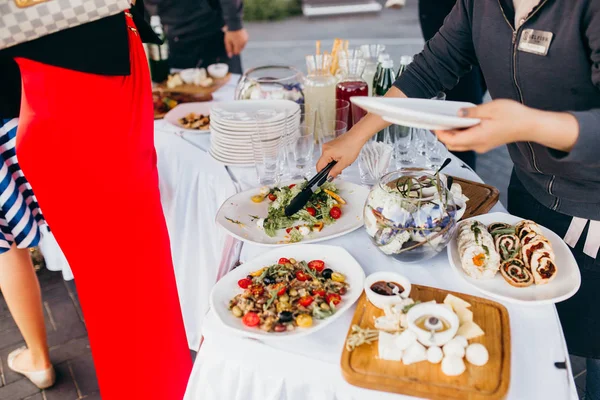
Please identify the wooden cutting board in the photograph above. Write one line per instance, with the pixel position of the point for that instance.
(481, 197)
(363, 368)
(188, 88)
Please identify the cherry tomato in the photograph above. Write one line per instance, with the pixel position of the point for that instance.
(316, 265)
(335, 212)
(272, 197)
(251, 319)
(311, 211)
(301, 276)
(304, 320)
(282, 288)
(318, 292)
(334, 298)
(288, 230)
(283, 261)
(256, 290)
(292, 185)
(305, 301)
(244, 283)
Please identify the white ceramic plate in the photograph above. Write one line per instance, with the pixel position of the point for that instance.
(181, 110)
(335, 258)
(564, 286)
(240, 207)
(230, 162)
(250, 107)
(418, 113)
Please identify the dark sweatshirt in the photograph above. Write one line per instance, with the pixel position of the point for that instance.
(481, 32)
(197, 18)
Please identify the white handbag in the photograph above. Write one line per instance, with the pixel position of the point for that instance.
(25, 20)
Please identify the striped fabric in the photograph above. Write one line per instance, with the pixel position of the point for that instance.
(20, 217)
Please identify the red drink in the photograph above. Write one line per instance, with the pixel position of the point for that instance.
(346, 89)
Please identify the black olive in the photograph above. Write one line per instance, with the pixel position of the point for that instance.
(250, 277)
(327, 273)
(268, 280)
(286, 316)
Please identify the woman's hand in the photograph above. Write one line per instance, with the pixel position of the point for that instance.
(343, 149)
(508, 121)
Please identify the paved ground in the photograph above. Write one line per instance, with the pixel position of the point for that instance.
(284, 42)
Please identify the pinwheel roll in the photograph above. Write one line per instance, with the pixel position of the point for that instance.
(537, 247)
(495, 226)
(508, 246)
(478, 255)
(525, 227)
(516, 273)
(543, 268)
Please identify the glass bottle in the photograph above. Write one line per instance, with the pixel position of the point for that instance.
(352, 84)
(383, 84)
(319, 89)
(158, 53)
(371, 54)
(404, 62)
(382, 57)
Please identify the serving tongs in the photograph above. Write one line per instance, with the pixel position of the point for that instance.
(303, 197)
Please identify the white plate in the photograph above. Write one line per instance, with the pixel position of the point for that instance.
(240, 207)
(335, 258)
(565, 285)
(250, 107)
(418, 113)
(181, 110)
(229, 162)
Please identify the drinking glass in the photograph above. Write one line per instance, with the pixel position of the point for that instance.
(267, 143)
(404, 147)
(300, 149)
(336, 110)
(436, 155)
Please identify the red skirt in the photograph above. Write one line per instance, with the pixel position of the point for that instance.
(85, 143)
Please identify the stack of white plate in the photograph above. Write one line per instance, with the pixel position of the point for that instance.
(233, 123)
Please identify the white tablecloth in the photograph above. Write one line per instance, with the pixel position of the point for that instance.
(229, 367)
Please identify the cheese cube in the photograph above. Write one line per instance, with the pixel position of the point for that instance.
(388, 350)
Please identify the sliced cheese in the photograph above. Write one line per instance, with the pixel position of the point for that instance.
(388, 350)
(456, 302)
(464, 315)
(470, 330)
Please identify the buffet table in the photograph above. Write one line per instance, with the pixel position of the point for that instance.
(232, 367)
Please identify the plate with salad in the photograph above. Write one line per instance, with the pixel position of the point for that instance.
(257, 215)
(288, 292)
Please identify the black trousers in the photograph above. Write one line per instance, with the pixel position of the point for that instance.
(471, 87)
(580, 315)
(190, 51)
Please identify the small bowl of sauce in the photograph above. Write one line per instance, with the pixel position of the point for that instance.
(434, 324)
(386, 288)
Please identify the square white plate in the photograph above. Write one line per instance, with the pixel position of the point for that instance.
(335, 258)
(565, 285)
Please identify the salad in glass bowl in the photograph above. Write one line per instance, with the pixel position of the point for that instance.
(323, 208)
(411, 215)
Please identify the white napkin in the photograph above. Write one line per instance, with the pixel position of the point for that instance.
(376, 158)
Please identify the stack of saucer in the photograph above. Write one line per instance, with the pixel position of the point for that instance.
(233, 124)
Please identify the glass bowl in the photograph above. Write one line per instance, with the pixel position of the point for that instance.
(272, 82)
(410, 215)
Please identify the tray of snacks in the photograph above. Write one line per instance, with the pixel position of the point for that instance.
(191, 117)
(427, 342)
(514, 260)
(257, 215)
(196, 81)
(288, 292)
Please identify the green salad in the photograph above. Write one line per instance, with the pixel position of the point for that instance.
(323, 209)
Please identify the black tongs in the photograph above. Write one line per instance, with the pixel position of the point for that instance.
(303, 197)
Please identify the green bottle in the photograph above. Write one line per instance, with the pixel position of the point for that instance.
(385, 81)
(158, 53)
(382, 57)
(404, 62)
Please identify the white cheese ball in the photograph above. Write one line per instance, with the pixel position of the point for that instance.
(460, 340)
(304, 230)
(406, 339)
(477, 354)
(454, 348)
(453, 366)
(414, 354)
(434, 354)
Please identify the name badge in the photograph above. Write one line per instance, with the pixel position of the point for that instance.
(535, 42)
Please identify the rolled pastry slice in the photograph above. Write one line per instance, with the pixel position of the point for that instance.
(538, 247)
(508, 246)
(543, 268)
(516, 273)
(480, 261)
(526, 226)
(494, 226)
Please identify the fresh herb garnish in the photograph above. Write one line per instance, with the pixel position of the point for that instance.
(234, 221)
(254, 217)
(273, 294)
(408, 307)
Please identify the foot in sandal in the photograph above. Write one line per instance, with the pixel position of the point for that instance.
(40, 373)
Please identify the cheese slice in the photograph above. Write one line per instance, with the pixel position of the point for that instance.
(388, 350)
(456, 302)
(464, 315)
(470, 330)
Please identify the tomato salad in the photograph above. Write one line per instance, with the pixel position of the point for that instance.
(289, 294)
